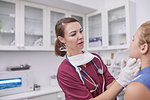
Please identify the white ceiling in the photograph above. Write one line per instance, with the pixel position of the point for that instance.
(65, 5)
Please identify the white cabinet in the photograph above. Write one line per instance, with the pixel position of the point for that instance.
(53, 15)
(22, 26)
(8, 26)
(53, 96)
(33, 28)
(29, 26)
(110, 29)
(118, 25)
(94, 31)
(79, 17)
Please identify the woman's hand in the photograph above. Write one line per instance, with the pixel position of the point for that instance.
(128, 71)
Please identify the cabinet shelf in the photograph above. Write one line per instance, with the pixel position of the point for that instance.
(7, 33)
(38, 35)
(121, 33)
(8, 15)
(34, 20)
(119, 19)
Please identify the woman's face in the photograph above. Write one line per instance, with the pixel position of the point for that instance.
(73, 37)
(134, 45)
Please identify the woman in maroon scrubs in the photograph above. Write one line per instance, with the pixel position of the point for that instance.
(83, 75)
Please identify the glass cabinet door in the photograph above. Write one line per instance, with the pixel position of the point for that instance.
(33, 28)
(80, 19)
(117, 26)
(7, 24)
(95, 31)
(54, 17)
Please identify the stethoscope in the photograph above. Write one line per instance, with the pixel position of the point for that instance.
(99, 72)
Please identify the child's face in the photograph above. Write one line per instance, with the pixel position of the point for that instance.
(134, 45)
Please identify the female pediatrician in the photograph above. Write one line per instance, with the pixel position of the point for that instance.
(83, 75)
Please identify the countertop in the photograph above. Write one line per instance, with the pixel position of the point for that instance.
(43, 91)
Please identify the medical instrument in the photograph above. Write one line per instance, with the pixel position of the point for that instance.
(12, 82)
(99, 72)
(93, 83)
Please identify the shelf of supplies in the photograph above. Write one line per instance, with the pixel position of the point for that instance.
(34, 34)
(8, 15)
(34, 20)
(119, 19)
(95, 42)
(120, 33)
(7, 33)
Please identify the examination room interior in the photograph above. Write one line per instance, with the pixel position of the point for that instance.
(41, 59)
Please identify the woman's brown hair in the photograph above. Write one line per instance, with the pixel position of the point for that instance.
(59, 30)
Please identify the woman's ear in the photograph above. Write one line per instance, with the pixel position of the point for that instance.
(61, 39)
(144, 48)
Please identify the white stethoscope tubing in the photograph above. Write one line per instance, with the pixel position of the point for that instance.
(78, 71)
(103, 87)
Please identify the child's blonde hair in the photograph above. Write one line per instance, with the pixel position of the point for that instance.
(145, 33)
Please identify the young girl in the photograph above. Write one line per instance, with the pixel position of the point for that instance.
(139, 89)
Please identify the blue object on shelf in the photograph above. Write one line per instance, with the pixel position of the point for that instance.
(10, 83)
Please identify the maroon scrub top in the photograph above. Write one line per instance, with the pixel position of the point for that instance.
(72, 85)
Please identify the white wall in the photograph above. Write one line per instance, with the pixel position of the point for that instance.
(142, 11)
(43, 64)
